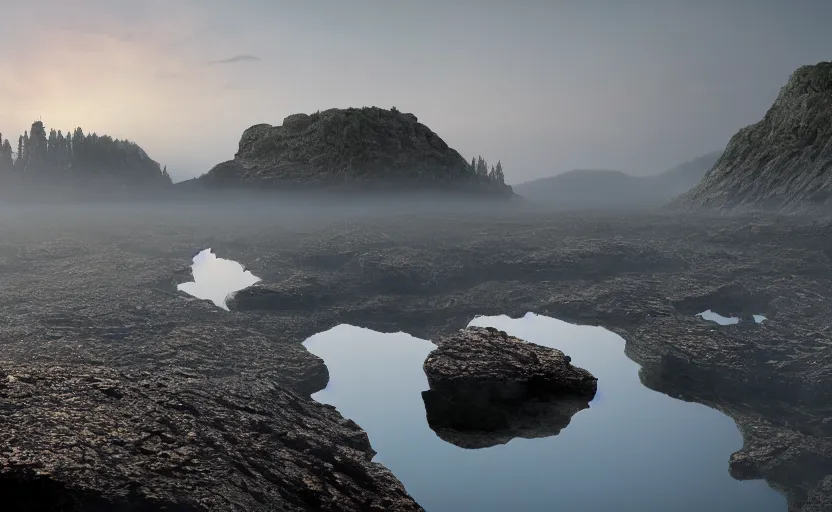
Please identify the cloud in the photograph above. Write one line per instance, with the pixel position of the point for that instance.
(236, 59)
(168, 75)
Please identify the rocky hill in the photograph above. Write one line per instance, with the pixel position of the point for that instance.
(364, 148)
(88, 163)
(783, 162)
(600, 189)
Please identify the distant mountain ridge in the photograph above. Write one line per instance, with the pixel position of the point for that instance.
(607, 189)
(354, 148)
(783, 162)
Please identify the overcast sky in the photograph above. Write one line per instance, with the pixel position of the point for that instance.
(544, 85)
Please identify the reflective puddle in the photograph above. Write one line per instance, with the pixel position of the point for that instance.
(633, 449)
(215, 278)
(725, 320)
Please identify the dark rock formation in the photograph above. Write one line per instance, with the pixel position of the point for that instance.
(783, 162)
(92, 290)
(487, 387)
(601, 189)
(365, 148)
(87, 438)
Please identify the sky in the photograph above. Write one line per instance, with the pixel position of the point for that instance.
(545, 86)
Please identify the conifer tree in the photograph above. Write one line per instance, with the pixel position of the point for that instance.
(36, 149)
(52, 148)
(482, 167)
(18, 161)
(6, 162)
(498, 173)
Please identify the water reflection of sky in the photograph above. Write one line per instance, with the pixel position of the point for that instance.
(632, 450)
(726, 320)
(215, 278)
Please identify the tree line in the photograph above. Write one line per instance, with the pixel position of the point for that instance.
(495, 173)
(58, 154)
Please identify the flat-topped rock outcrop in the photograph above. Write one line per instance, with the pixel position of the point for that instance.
(487, 387)
(338, 149)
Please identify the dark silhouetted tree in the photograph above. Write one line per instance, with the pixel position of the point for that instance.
(36, 150)
(482, 167)
(18, 160)
(498, 174)
(6, 160)
(100, 161)
(25, 155)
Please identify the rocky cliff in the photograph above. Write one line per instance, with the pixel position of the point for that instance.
(352, 148)
(783, 162)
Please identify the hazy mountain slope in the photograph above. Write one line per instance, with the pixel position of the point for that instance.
(783, 162)
(581, 189)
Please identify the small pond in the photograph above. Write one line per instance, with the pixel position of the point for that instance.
(726, 320)
(632, 450)
(215, 278)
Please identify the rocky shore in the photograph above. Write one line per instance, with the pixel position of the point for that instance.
(95, 338)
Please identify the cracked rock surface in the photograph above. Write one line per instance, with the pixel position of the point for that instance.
(89, 292)
(92, 438)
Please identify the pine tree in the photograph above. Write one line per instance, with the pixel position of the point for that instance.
(473, 164)
(482, 167)
(18, 161)
(52, 148)
(36, 149)
(498, 173)
(6, 162)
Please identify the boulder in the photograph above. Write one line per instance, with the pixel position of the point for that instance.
(487, 387)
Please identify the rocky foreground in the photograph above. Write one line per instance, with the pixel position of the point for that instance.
(95, 338)
(93, 438)
(487, 388)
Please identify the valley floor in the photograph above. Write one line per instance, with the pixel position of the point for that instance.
(118, 389)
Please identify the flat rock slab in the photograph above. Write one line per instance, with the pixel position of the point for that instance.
(487, 387)
(88, 438)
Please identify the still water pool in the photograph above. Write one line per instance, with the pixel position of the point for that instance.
(633, 450)
(215, 278)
